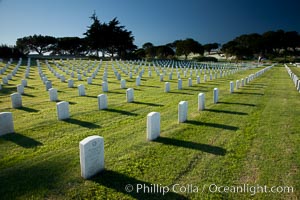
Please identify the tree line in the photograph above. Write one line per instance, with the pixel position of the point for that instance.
(114, 40)
(270, 44)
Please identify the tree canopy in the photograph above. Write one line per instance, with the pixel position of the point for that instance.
(38, 43)
(111, 38)
(187, 46)
(269, 44)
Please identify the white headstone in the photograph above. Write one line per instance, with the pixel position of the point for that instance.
(129, 95)
(16, 100)
(48, 85)
(201, 101)
(138, 81)
(182, 111)
(170, 76)
(123, 83)
(205, 79)
(198, 79)
(247, 80)
(91, 156)
(70, 83)
(44, 79)
(179, 84)
(216, 95)
(104, 86)
(89, 80)
(62, 110)
(231, 87)
(153, 125)
(20, 89)
(81, 90)
(24, 82)
(62, 78)
(6, 123)
(190, 82)
(161, 77)
(119, 77)
(102, 101)
(79, 77)
(4, 80)
(243, 82)
(237, 84)
(167, 87)
(53, 94)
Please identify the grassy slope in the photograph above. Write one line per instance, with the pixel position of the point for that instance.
(250, 138)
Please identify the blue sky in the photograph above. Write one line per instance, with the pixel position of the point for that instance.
(155, 21)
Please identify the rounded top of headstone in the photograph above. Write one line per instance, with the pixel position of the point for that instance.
(89, 139)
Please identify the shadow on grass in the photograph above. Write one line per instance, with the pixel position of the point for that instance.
(28, 109)
(214, 125)
(258, 85)
(173, 92)
(7, 90)
(249, 93)
(226, 112)
(72, 103)
(123, 112)
(192, 145)
(21, 140)
(82, 123)
(151, 86)
(114, 92)
(236, 103)
(120, 182)
(22, 180)
(28, 95)
(91, 96)
(148, 104)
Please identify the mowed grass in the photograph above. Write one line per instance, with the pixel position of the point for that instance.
(250, 137)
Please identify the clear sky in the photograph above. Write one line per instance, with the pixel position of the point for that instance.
(156, 21)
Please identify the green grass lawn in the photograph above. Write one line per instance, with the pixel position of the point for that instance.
(251, 137)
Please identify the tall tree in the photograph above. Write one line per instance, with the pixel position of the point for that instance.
(111, 38)
(38, 43)
(70, 45)
(150, 50)
(210, 46)
(187, 46)
(95, 35)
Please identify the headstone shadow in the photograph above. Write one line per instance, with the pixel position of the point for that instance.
(237, 103)
(123, 112)
(226, 112)
(82, 123)
(28, 109)
(22, 140)
(23, 180)
(249, 93)
(214, 125)
(192, 145)
(128, 186)
(146, 103)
